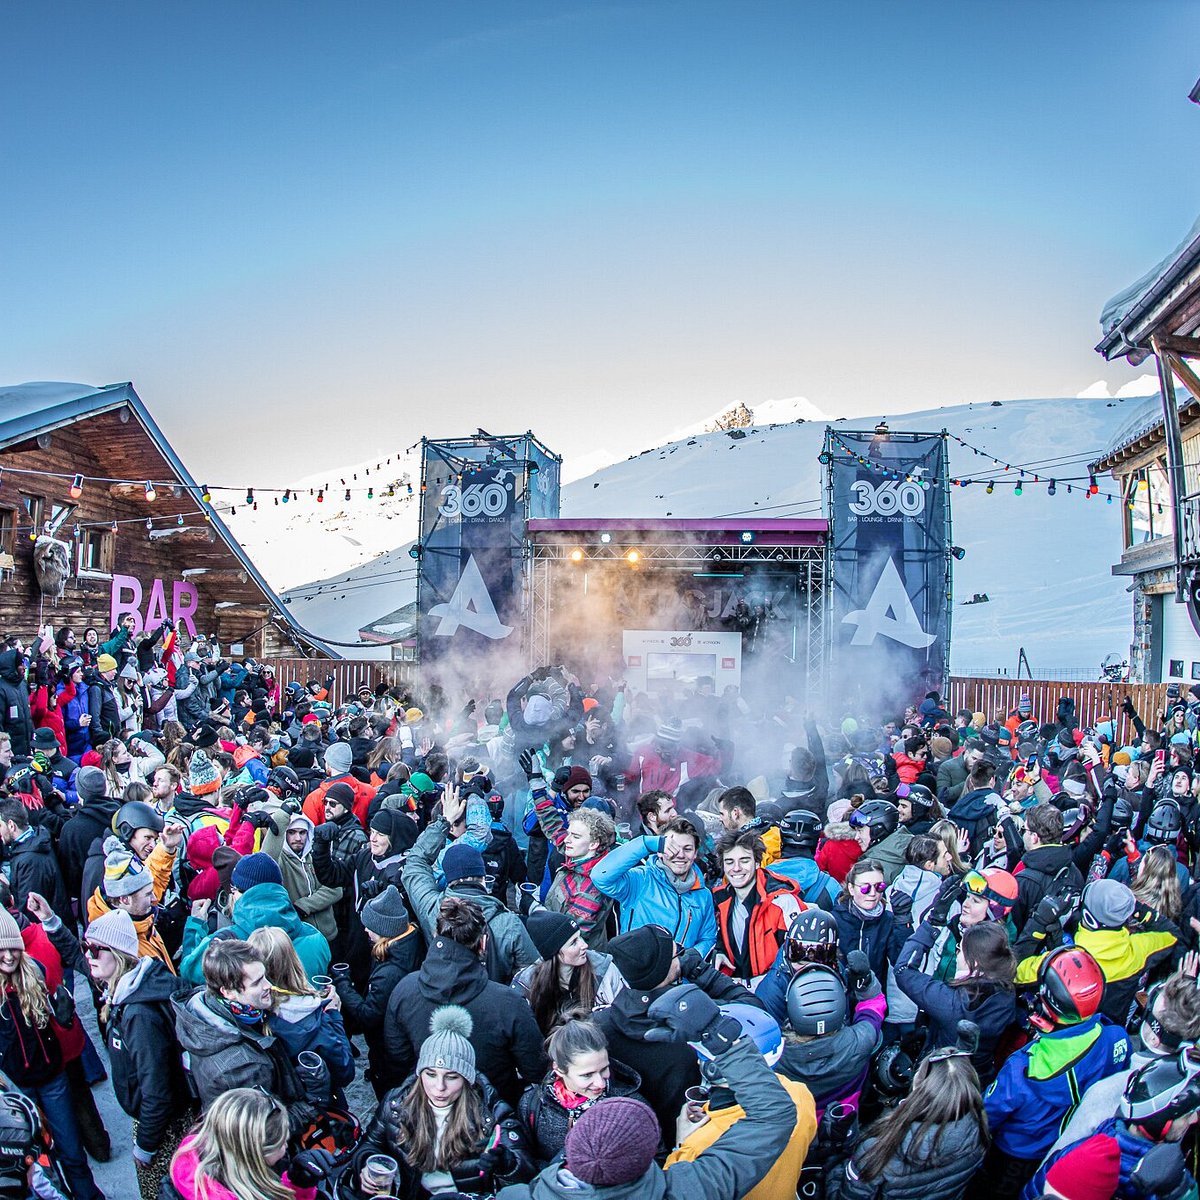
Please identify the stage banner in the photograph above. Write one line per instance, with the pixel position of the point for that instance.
(668, 661)
(889, 520)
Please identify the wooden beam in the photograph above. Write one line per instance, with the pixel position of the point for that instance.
(1189, 347)
(231, 608)
(127, 491)
(214, 575)
(1186, 375)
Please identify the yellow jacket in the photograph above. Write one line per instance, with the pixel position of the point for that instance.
(1120, 953)
(780, 1181)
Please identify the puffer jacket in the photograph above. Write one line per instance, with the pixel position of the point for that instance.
(635, 878)
(15, 717)
(547, 1122)
(937, 1167)
(512, 947)
(304, 1023)
(880, 938)
(774, 903)
(474, 1174)
(609, 980)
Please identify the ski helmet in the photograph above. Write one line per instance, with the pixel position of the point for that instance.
(135, 815)
(20, 1141)
(1027, 731)
(1070, 988)
(812, 937)
(817, 1002)
(1122, 813)
(1161, 1092)
(995, 885)
(759, 1026)
(894, 1071)
(285, 781)
(1165, 823)
(799, 831)
(879, 816)
(921, 798)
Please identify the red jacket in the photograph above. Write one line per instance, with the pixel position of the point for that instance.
(837, 856)
(364, 793)
(776, 902)
(51, 717)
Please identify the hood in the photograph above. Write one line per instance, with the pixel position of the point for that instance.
(478, 895)
(1048, 859)
(12, 668)
(557, 1183)
(148, 983)
(203, 1031)
(918, 883)
(972, 806)
(267, 904)
(297, 1010)
(287, 851)
(37, 843)
(97, 813)
(451, 974)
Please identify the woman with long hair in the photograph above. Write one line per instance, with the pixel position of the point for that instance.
(445, 1126)
(568, 978)
(121, 767)
(301, 1017)
(981, 991)
(1157, 883)
(931, 1144)
(581, 1073)
(383, 756)
(31, 1055)
(234, 1150)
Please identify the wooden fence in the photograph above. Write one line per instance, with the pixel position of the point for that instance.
(1093, 701)
(348, 674)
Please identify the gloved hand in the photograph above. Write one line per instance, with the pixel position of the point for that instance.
(1052, 911)
(560, 779)
(498, 1160)
(325, 832)
(1114, 843)
(372, 887)
(1161, 1173)
(261, 820)
(691, 964)
(1127, 707)
(902, 907)
(309, 1167)
(690, 1015)
(860, 979)
(526, 763)
(948, 894)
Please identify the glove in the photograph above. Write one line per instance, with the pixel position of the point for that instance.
(526, 763)
(325, 832)
(1161, 1173)
(497, 1160)
(372, 887)
(1113, 844)
(859, 976)
(1052, 910)
(902, 907)
(948, 893)
(1127, 707)
(309, 1167)
(692, 964)
(690, 1015)
(560, 779)
(260, 820)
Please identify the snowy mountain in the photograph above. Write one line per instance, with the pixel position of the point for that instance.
(1043, 561)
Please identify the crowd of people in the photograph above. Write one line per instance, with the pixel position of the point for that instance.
(585, 942)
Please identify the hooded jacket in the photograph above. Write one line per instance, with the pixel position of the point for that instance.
(730, 1167)
(304, 1023)
(1038, 1085)
(648, 896)
(144, 1053)
(265, 904)
(977, 816)
(1037, 872)
(313, 900)
(938, 1167)
(504, 1034)
(34, 868)
(512, 944)
(880, 938)
(15, 718)
(774, 903)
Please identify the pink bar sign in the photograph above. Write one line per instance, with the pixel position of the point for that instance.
(127, 595)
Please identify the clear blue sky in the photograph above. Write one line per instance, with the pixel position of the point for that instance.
(306, 231)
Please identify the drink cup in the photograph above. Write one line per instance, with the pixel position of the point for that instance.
(323, 984)
(379, 1175)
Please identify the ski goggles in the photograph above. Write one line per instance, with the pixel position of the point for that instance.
(797, 953)
(976, 883)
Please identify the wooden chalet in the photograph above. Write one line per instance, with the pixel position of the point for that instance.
(75, 462)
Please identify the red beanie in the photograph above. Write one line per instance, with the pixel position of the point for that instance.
(1092, 1171)
(577, 775)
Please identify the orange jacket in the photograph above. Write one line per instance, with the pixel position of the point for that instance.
(776, 902)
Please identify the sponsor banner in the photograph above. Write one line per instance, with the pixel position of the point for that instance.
(671, 660)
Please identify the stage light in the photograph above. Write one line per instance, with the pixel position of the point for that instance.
(824, 458)
(605, 538)
(414, 551)
(633, 557)
(576, 555)
(958, 552)
(747, 536)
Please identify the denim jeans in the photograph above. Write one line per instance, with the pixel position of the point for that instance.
(55, 1100)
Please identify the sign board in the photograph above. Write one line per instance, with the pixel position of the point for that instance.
(128, 593)
(670, 660)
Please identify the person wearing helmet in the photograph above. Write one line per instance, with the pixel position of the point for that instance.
(878, 831)
(918, 808)
(721, 1110)
(1163, 827)
(1126, 954)
(799, 832)
(1160, 1104)
(837, 1028)
(812, 937)
(1040, 1083)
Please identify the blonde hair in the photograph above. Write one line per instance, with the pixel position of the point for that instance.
(230, 1145)
(946, 832)
(29, 986)
(284, 968)
(1157, 884)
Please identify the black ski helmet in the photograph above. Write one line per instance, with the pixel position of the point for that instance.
(816, 1002)
(921, 799)
(799, 831)
(285, 781)
(1161, 1092)
(879, 816)
(812, 937)
(1165, 823)
(135, 815)
(20, 1141)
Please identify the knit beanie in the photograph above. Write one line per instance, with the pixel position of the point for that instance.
(300, 758)
(940, 747)
(204, 736)
(339, 758)
(115, 929)
(124, 874)
(447, 1046)
(224, 859)
(385, 821)
(253, 869)
(203, 778)
(643, 956)
(462, 862)
(550, 931)
(1092, 1171)
(106, 662)
(575, 776)
(90, 784)
(613, 1143)
(342, 793)
(10, 932)
(1108, 903)
(386, 915)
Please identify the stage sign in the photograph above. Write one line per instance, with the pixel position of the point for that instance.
(889, 536)
(670, 660)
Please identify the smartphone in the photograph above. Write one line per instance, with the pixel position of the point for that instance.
(1031, 763)
(1160, 756)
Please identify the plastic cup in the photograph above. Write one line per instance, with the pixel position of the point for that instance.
(624, 831)
(309, 1060)
(695, 1099)
(323, 983)
(339, 968)
(379, 1174)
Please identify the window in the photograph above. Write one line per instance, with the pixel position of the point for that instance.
(1175, 667)
(1147, 505)
(8, 530)
(34, 507)
(59, 512)
(95, 551)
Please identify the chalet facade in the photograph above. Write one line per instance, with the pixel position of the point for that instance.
(99, 517)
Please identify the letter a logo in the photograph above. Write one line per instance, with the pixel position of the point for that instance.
(471, 607)
(889, 612)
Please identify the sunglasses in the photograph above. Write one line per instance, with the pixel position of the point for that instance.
(865, 889)
(92, 949)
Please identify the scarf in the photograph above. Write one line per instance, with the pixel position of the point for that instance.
(246, 1014)
(575, 1105)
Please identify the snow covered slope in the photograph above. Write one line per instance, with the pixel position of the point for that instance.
(1043, 561)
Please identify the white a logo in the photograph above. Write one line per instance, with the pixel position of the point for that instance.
(889, 612)
(471, 607)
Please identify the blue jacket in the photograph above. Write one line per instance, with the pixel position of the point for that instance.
(816, 886)
(230, 680)
(1038, 1087)
(648, 897)
(1133, 1150)
(303, 1023)
(79, 740)
(772, 988)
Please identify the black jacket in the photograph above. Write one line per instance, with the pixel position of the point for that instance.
(937, 1167)
(667, 1069)
(1037, 872)
(87, 823)
(506, 1038)
(475, 1174)
(33, 868)
(15, 719)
